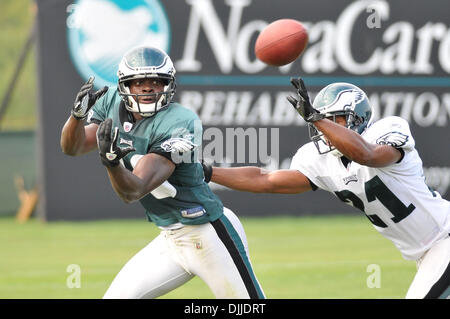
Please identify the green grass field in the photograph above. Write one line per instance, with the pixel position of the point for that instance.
(294, 258)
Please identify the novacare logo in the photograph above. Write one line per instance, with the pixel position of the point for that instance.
(99, 32)
(402, 47)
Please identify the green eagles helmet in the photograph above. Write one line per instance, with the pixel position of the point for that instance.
(341, 99)
(146, 63)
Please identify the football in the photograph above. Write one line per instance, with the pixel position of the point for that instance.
(281, 42)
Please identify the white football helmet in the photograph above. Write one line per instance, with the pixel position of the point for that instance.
(339, 99)
(146, 63)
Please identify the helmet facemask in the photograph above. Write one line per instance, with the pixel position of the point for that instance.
(322, 144)
(161, 99)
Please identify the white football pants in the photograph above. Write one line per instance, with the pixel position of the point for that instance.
(433, 273)
(217, 252)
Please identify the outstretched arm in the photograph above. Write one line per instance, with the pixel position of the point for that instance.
(356, 148)
(258, 180)
(348, 142)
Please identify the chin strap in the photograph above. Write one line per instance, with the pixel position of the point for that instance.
(138, 108)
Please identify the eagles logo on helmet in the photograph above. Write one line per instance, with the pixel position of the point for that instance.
(146, 63)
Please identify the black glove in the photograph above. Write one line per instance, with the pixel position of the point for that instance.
(110, 153)
(85, 99)
(303, 105)
(207, 171)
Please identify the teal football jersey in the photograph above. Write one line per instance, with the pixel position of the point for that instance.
(184, 197)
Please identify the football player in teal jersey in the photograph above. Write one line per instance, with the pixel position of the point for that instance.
(149, 145)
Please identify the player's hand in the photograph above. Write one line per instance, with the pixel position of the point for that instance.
(110, 153)
(302, 104)
(85, 99)
(207, 171)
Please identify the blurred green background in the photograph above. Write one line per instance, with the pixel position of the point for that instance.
(16, 19)
(18, 124)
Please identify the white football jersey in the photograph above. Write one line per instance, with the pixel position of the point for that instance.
(395, 198)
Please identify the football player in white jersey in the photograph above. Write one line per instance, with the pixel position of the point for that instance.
(371, 166)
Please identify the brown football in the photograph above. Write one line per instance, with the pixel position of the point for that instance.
(281, 42)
